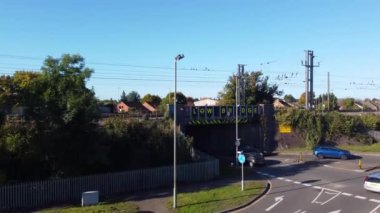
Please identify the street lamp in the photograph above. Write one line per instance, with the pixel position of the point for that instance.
(177, 58)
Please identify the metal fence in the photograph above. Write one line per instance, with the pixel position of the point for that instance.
(44, 193)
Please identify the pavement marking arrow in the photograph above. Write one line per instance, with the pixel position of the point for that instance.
(277, 201)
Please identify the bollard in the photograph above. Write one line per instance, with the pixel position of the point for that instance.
(360, 164)
(300, 159)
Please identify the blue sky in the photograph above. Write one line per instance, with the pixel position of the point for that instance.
(131, 45)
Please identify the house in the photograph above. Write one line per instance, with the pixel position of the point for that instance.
(205, 102)
(108, 109)
(150, 106)
(123, 107)
(281, 104)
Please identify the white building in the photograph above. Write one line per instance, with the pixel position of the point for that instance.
(205, 102)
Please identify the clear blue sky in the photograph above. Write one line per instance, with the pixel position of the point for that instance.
(136, 42)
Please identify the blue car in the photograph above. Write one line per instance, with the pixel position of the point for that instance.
(331, 152)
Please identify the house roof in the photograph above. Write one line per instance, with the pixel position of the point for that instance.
(136, 105)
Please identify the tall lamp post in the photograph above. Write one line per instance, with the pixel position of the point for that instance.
(177, 58)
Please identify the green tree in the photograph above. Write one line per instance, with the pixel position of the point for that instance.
(64, 98)
(123, 96)
(133, 96)
(324, 104)
(7, 93)
(348, 104)
(302, 99)
(289, 98)
(155, 99)
(169, 99)
(257, 90)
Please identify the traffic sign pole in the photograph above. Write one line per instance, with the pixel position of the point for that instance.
(241, 159)
(242, 177)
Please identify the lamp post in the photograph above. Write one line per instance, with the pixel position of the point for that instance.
(177, 58)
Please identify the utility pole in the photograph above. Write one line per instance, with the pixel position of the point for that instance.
(328, 91)
(309, 78)
(242, 85)
(238, 103)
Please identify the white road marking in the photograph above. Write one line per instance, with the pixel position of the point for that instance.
(335, 167)
(336, 211)
(327, 191)
(323, 190)
(374, 200)
(300, 211)
(360, 197)
(374, 210)
(277, 201)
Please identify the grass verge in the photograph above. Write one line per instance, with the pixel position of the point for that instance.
(101, 207)
(217, 199)
(295, 149)
(362, 148)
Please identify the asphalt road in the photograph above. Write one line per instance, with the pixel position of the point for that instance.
(328, 185)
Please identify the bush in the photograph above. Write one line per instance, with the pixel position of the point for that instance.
(315, 127)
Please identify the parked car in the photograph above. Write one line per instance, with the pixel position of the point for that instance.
(372, 182)
(253, 156)
(331, 152)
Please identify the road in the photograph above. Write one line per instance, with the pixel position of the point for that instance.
(328, 185)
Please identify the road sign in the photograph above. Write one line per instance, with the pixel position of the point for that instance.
(285, 128)
(241, 158)
(237, 143)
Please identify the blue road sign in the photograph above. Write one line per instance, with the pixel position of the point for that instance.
(241, 158)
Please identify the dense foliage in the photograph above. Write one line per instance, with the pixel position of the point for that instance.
(49, 128)
(257, 90)
(316, 128)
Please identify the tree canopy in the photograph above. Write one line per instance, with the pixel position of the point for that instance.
(154, 99)
(132, 96)
(290, 98)
(256, 89)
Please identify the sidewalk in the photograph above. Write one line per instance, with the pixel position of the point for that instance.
(157, 200)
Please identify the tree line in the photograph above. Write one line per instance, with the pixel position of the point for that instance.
(318, 128)
(55, 133)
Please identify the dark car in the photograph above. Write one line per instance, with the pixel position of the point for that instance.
(331, 152)
(253, 156)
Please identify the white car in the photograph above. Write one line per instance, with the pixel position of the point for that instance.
(372, 182)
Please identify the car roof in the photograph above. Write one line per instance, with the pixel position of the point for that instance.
(328, 147)
(375, 175)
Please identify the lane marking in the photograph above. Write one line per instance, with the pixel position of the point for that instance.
(277, 201)
(374, 210)
(327, 191)
(324, 190)
(335, 167)
(360, 197)
(374, 200)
